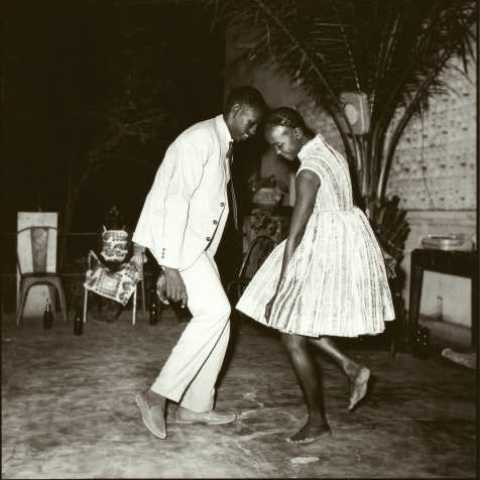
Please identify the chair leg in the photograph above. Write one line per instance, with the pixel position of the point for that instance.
(85, 301)
(134, 311)
(52, 291)
(18, 282)
(144, 302)
(393, 340)
(63, 301)
(21, 304)
(2, 288)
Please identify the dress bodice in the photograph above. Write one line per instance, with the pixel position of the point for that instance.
(335, 192)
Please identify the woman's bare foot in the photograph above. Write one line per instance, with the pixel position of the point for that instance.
(311, 431)
(358, 386)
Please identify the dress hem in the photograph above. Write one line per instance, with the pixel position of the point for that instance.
(320, 334)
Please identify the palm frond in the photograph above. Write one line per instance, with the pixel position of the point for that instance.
(394, 51)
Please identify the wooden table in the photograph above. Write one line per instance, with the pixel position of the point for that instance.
(459, 263)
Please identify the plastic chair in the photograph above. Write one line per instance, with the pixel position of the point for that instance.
(39, 240)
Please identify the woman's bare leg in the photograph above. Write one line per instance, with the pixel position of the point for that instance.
(358, 375)
(308, 377)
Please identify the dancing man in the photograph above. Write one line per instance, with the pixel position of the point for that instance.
(182, 223)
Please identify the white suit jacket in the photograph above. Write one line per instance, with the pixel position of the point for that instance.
(187, 207)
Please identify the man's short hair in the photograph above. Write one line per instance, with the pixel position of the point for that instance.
(245, 95)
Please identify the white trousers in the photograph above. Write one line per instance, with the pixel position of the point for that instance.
(191, 370)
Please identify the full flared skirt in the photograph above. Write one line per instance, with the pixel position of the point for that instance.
(335, 283)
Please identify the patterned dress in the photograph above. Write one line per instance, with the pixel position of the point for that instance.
(335, 283)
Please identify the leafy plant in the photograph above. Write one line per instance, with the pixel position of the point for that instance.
(393, 51)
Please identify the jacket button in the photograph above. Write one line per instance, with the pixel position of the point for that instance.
(215, 222)
(222, 204)
(208, 239)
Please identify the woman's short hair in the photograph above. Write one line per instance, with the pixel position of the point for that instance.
(245, 95)
(286, 117)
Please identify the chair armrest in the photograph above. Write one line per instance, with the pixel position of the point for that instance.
(91, 255)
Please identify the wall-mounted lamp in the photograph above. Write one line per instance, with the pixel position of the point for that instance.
(355, 106)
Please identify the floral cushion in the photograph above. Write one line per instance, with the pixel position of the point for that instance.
(117, 286)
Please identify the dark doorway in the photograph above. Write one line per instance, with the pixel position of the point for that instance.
(109, 83)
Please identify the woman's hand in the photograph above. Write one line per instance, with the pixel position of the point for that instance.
(268, 308)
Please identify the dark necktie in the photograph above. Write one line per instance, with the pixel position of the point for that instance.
(232, 198)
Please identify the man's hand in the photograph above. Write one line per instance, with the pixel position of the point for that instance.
(162, 289)
(175, 287)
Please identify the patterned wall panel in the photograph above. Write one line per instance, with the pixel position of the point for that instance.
(435, 164)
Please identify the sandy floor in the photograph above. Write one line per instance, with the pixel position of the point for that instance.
(68, 411)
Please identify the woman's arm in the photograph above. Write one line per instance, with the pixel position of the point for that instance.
(307, 184)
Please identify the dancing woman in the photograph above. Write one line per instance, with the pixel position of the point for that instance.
(328, 277)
